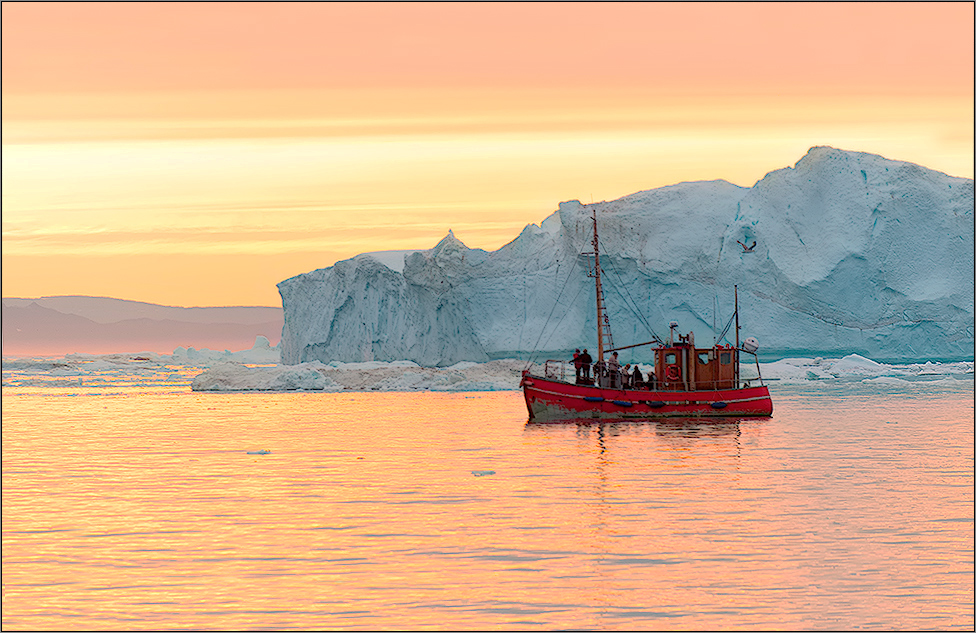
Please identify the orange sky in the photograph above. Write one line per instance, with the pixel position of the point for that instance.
(197, 154)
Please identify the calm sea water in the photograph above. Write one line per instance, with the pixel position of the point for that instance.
(135, 507)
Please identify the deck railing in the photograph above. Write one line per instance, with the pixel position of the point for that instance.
(565, 371)
(747, 380)
(559, 369)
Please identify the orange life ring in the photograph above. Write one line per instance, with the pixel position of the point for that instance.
(673, 373)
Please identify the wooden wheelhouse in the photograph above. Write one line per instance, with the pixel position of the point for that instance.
(680, 366)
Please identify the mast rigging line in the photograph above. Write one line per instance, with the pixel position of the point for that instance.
(565, 313)
(727, 326)
(635, 308)
(553, 260)
(569, 276)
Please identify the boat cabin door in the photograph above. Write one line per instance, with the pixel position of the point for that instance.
(670, 362)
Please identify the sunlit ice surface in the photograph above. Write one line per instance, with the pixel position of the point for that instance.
(141, 504)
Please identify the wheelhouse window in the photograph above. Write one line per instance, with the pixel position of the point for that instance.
(670, 359)
(725, 357)
(703, 358)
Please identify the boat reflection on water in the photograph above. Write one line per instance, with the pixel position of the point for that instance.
(703, 436)
(689, 427)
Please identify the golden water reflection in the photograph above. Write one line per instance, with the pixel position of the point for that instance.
(145, 510)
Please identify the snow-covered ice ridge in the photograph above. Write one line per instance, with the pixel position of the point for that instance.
(854, 253)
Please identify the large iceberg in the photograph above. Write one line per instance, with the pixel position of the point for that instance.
(854, 253)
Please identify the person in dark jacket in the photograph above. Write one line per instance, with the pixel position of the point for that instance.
(585, 361)
(578, 364)
(638, 378)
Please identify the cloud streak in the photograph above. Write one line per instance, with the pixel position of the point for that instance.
(320, 130)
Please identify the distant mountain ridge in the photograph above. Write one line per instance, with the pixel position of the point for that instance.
(98, 325)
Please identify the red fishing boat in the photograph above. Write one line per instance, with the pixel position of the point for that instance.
(686, 381)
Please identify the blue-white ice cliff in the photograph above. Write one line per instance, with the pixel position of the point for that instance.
(854, 254)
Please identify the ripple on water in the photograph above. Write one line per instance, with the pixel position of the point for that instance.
(146, 507)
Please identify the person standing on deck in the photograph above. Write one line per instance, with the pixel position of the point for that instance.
(638, 378)
(578, 363)
(614, 367)
(585, 361)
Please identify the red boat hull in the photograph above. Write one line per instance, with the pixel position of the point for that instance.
(552, 399)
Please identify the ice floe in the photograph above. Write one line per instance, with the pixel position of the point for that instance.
(232, 371)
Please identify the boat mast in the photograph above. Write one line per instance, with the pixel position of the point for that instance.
(599, 292)
(736, 336)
